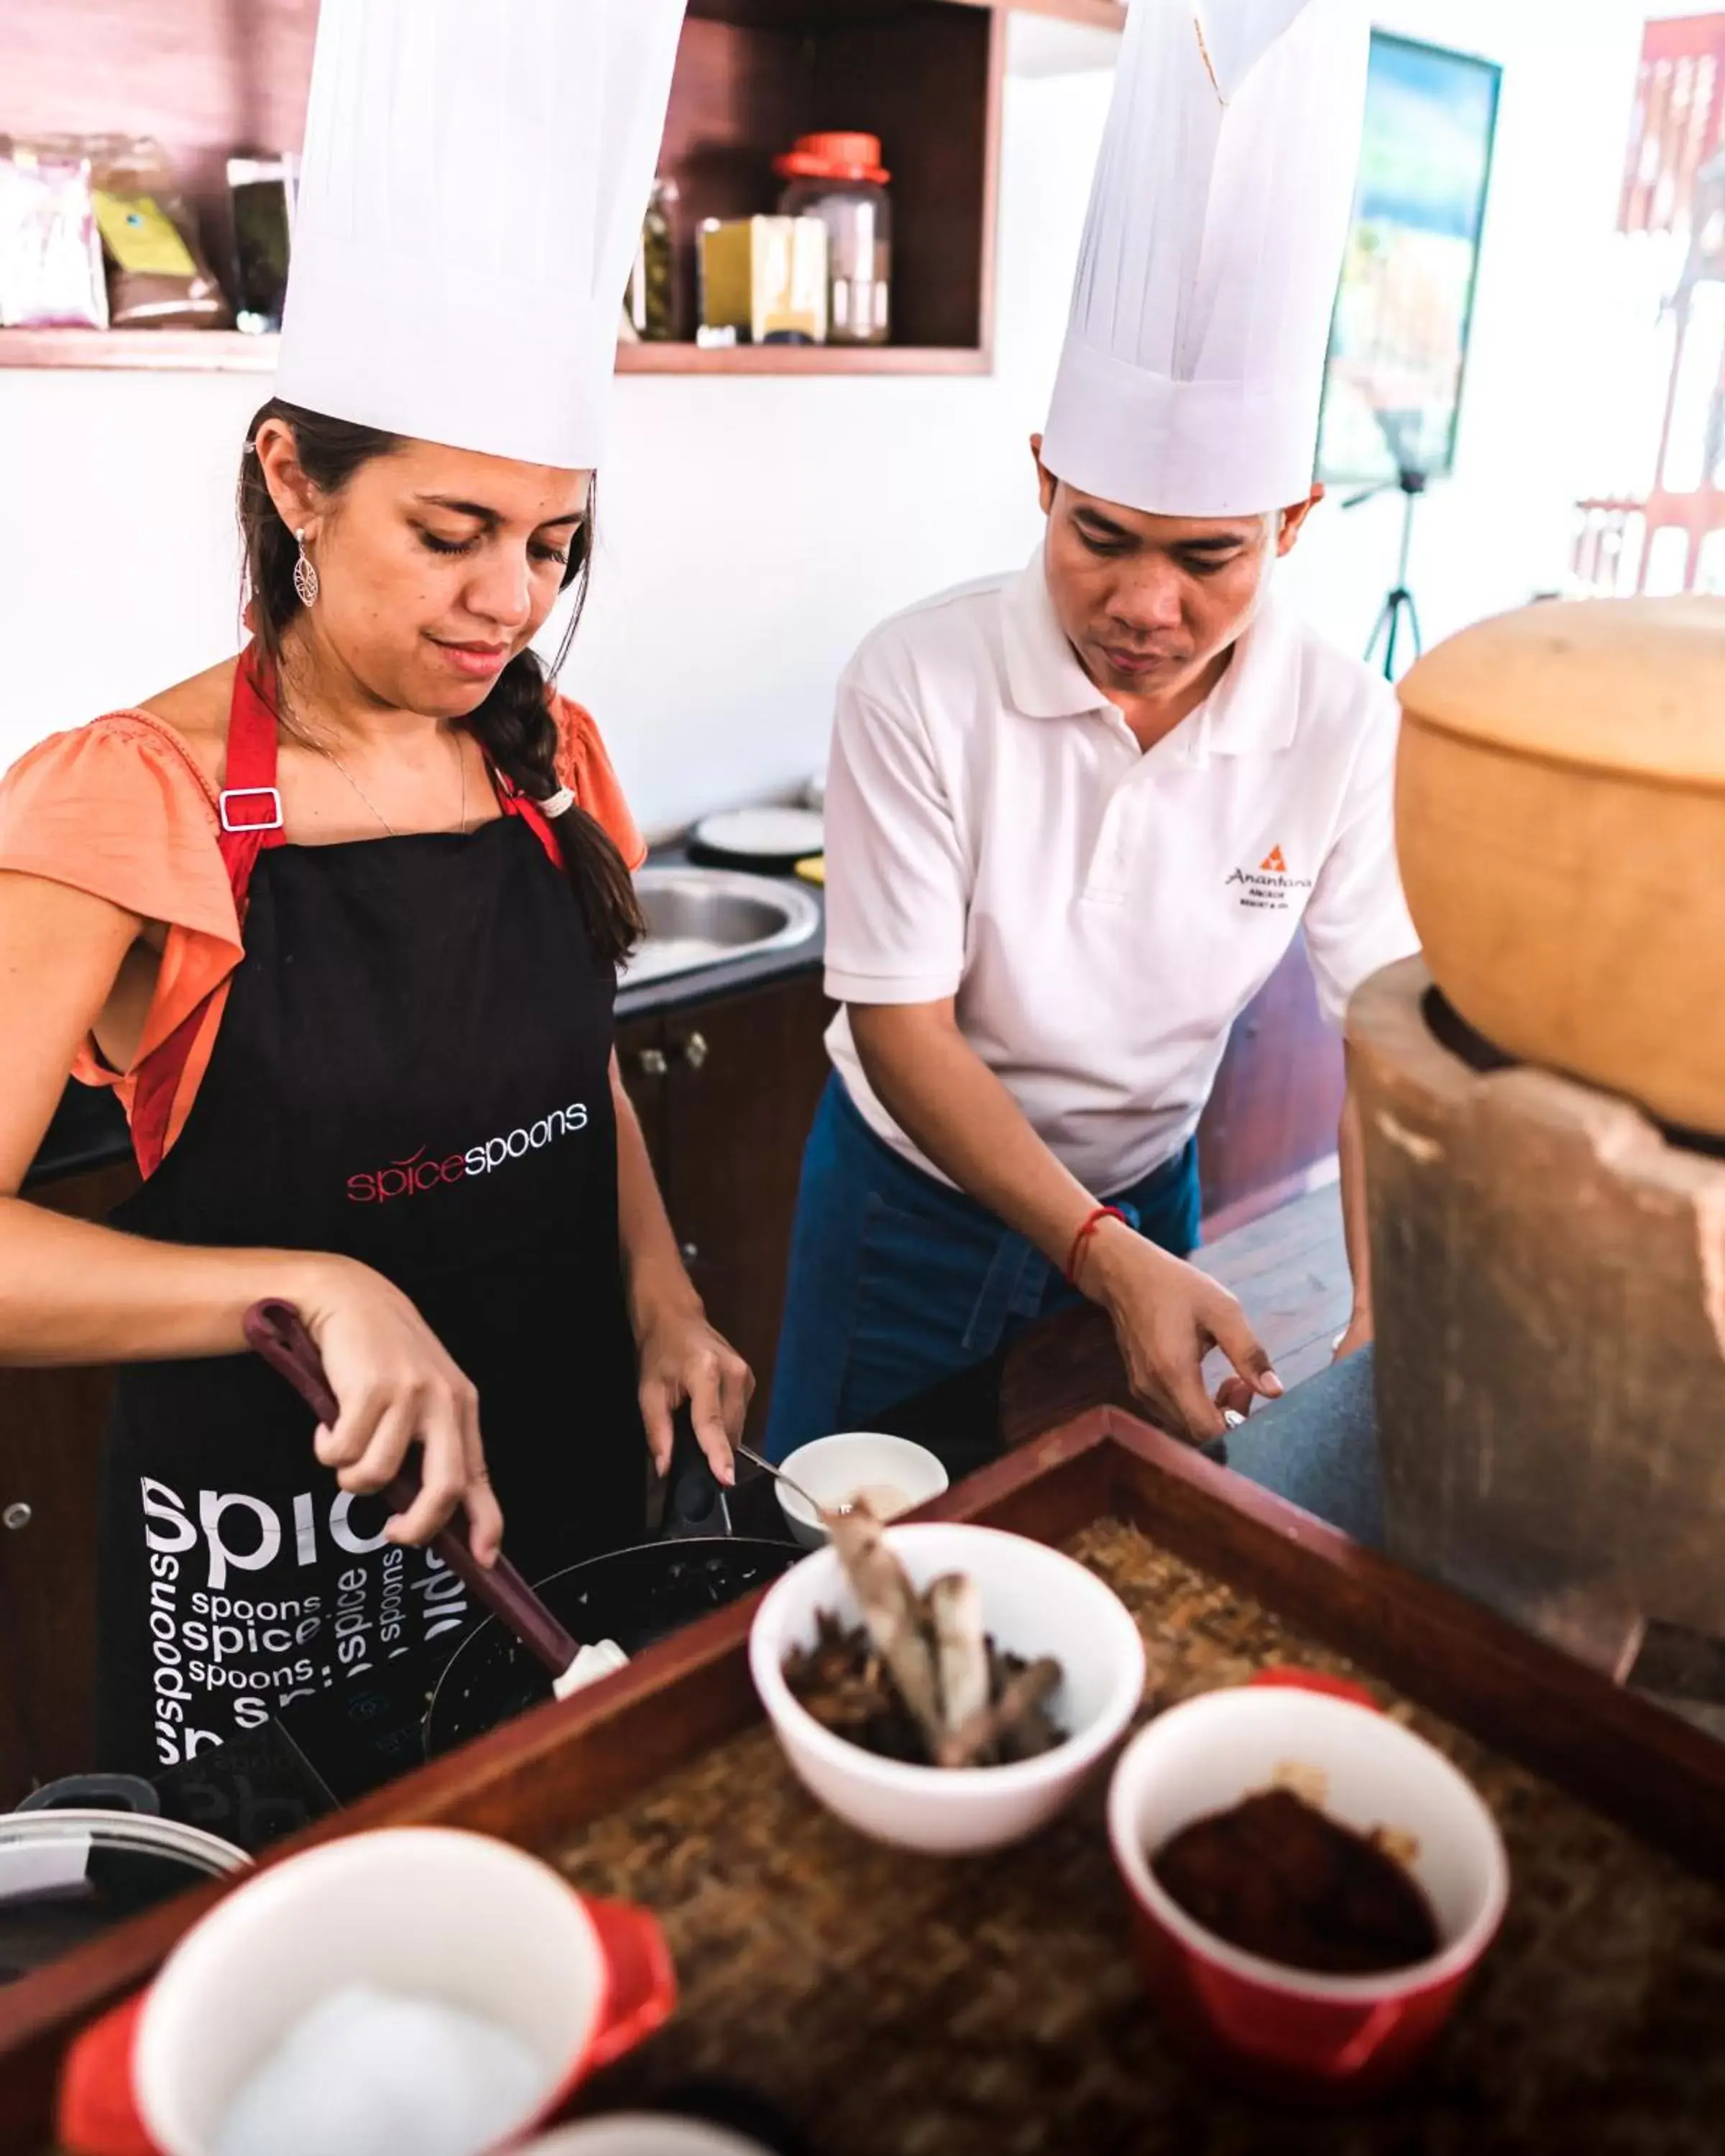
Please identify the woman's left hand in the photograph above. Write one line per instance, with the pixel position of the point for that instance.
(682, 1358)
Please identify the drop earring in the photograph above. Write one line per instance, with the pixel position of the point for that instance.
(304, 574)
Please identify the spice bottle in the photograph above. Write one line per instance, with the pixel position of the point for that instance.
(839, 179)
(651, 305)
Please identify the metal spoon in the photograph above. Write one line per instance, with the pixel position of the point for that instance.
(837, 1511)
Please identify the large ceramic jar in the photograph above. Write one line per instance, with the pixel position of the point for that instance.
(1560, 815)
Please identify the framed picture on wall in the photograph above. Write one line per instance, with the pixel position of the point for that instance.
(1398, 342)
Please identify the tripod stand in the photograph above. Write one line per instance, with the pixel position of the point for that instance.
(1397, 608)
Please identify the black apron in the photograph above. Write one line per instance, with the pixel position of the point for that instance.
(413, 1069)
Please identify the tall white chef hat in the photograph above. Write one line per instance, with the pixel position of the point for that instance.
(470, 199)
(1193, 372)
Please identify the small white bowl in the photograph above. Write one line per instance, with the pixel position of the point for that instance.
(1035, 1602)
(833, 1469)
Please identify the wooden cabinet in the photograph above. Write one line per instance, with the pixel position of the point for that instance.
(1273, 1111)
(51, 1423)
(207, 77)
(727, 1091)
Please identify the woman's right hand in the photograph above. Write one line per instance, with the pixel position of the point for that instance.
(1167, 1316)
(396, 1383)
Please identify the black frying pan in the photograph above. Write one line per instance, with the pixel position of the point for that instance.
(632, 1596)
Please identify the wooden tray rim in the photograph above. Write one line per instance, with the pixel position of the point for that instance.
(1647, 1770)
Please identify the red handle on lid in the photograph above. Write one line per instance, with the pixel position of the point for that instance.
(97, 2114)
(275, 1330)
(642, 1978)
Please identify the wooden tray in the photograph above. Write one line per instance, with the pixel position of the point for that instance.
(912, 2007)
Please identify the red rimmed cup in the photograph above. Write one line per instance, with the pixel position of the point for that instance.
(431, 1912)
(1287, 2035)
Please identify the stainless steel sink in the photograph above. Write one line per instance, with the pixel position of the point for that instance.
(701, 917)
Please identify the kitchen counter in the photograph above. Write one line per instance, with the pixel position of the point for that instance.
(89, 1131)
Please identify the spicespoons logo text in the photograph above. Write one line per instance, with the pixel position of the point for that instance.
(409, 1178)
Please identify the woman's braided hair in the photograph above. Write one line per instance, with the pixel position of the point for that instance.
(515, 725)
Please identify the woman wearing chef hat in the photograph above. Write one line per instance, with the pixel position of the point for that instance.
(1075, 815)
(341, 919)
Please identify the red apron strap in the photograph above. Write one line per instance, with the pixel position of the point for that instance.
(158, 1084)
(249, 804)
(530, 814)
(249, 809)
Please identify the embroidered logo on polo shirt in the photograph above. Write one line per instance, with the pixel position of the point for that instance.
(1266, 888)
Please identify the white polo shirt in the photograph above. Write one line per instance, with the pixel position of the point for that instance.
(1102, 915)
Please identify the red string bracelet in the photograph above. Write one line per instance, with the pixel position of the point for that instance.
(1091, 1223)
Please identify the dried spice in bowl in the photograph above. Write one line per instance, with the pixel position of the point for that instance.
(1277, 1877)
(919, 1679)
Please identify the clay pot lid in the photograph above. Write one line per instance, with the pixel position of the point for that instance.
(1631, 685)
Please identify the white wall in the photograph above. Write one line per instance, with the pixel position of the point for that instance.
(1500, 529)
(753, 529)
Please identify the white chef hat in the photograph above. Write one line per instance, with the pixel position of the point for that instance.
(1193, 372)
(470, 200)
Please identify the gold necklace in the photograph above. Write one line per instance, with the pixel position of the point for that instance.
(310, 741)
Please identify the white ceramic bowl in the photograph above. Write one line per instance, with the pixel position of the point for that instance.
(1035, 1602)
(833, 1469)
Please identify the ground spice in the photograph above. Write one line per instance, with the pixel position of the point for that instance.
(1277, 1878)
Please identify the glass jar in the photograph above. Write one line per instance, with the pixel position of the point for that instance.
(839, 179)
(651, 303)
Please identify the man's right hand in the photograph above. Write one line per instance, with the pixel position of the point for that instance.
(1167, 1316)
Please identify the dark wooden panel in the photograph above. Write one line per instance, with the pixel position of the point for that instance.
(929, 84)
(51, 1424)
(205, 77)
(640, 1052)
(739, 1111)
(741, 94)
(1277, 1098)
(924, 77)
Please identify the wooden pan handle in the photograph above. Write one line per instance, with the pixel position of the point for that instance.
(276, 1332)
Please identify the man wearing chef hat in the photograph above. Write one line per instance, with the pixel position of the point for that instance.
(1077, 814)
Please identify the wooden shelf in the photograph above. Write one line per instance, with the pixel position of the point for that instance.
(928, 76)
(794, 14)
(801, 359)
(226, 352)
(1093, 14)
(161, 351)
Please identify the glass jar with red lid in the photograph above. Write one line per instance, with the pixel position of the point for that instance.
(839, 178)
